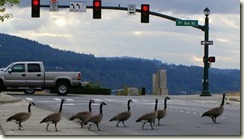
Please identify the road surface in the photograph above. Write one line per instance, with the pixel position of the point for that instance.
(183, 116)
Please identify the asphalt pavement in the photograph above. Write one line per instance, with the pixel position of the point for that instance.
(10, 105)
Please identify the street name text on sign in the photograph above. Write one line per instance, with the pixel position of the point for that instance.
(53, 6)
(186, 22)
(131, 9)
(75, 6)
(206, 42)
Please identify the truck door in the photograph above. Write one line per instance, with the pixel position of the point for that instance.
(16, 76)
(34, 77)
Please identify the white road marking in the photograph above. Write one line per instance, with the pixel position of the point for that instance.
(29, 99)
(69, 99)
(57, 99)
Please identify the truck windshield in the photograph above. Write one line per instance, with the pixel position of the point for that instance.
(5, 69)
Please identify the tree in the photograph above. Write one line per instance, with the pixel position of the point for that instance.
(4, 15)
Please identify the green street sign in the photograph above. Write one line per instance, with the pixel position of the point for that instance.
(186, 22)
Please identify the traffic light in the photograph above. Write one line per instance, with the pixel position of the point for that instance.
(145, 13)
(97, 9)
(211, 59)
(35, 8)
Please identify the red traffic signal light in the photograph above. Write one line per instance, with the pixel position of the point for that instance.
(211, 59)
(97, 3)
(97, 12)
(145, 13)
(35, 8)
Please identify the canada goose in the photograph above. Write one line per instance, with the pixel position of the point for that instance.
(83, 116)
(96, 119)
(149, 117)
(54, 118)
(21, 116)
(123, 116)
(162, 113)
(215, 112)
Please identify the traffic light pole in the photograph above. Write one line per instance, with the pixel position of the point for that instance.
(205, 82)
(205, 28)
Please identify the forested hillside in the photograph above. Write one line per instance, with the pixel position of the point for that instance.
(117, 72)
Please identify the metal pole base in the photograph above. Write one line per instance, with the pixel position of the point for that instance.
(205, 94)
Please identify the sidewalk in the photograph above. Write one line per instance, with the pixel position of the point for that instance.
(10, 105)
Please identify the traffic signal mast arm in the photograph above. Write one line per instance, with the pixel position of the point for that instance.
(201, 27)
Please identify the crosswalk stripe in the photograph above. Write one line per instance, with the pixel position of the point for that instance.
(69, 99)
(57, 99)
(29, 99)
(95, 99)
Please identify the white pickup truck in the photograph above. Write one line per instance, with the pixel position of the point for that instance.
(31, 76)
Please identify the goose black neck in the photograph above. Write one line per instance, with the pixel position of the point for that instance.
(128, 105)
(101, 108)
(90, 109)
(165, 103)
(61, 106)
(156, 105)
(223, 100)
(29, 108)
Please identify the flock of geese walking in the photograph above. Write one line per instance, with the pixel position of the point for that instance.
(86, 117)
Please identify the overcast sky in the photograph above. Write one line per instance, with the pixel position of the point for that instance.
(120, 34)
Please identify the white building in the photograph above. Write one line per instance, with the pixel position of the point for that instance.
(159, 82)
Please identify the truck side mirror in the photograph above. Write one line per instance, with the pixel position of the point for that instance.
(9, 70)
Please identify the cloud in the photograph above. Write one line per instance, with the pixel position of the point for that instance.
(118, 34)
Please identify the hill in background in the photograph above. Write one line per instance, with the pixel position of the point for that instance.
(117, 72)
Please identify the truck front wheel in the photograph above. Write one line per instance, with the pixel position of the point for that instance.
(1, 86)
(62, 88)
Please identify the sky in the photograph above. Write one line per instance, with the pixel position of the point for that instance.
(120, 34)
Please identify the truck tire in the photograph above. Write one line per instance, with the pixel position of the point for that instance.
(62, 88)
(1, 86)
(29, 91)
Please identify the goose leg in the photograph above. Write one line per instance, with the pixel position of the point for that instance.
(123, 123)
(151, 125)
(82, 123)
(213, 119)
(20, 126)
(47, 127)
(56, 127)
(89, 127)
(117, 125)
(98, 127)
(143, 125)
